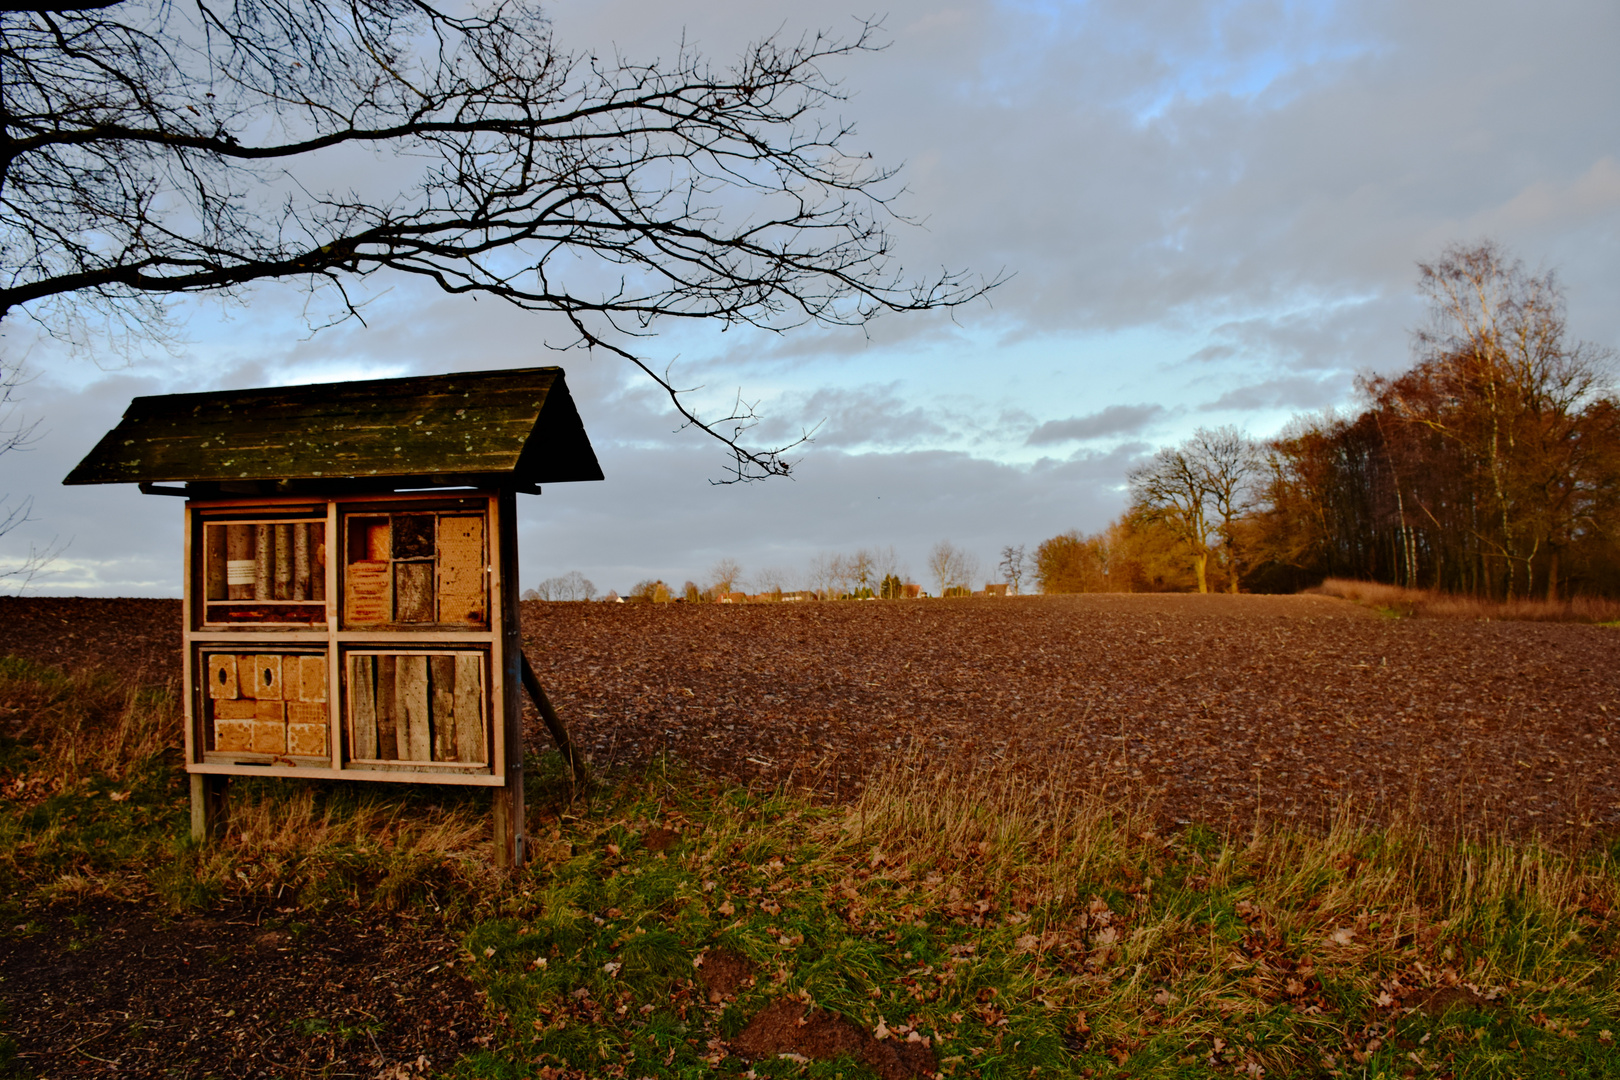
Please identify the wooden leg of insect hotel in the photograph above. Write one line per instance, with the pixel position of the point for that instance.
(210, 806)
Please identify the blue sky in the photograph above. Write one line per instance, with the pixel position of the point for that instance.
(1208, 213)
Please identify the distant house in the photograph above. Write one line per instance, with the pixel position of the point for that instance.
(995, 590)
(911, 591)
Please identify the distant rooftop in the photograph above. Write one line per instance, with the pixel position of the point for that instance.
(515, 428)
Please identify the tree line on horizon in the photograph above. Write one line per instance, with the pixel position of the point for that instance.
(1490, 467)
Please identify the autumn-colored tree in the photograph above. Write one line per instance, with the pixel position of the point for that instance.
(1066, 564)
(1510, 401)
(1199, 490)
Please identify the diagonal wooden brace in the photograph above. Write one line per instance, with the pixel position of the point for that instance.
(554, 724)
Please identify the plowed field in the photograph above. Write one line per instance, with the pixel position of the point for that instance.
(1220, 707)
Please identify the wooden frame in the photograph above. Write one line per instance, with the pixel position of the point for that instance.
(437, 611)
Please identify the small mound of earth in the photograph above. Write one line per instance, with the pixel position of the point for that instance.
(724, 973)
(790, 1027)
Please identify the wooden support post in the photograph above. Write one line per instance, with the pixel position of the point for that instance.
(554, 723)
(509, 812)
(210, 806)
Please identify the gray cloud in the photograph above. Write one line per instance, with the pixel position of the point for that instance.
(1296, 391)
(1252, 182)
(1114, 420)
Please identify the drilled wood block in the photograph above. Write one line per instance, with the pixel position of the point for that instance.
(463, 580)
(222, 681)
(233, 736)
(266, 676)
(306, 712)
(308, 740)
(291, 678)
(312, 678)
(270, 728)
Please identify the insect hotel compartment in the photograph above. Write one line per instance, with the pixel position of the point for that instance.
(415, 568)
(266, 571)
(417, 708)
(267, 704)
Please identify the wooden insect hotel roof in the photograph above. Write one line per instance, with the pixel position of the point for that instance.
(510, 429)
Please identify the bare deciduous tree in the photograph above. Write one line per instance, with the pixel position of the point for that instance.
(1200, 490)
(724, 576)
(570, 586)
(1500, 384)
(951, 567)
(1012, 564)
(151, 149)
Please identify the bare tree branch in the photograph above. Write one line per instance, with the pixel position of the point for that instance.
(152, 149)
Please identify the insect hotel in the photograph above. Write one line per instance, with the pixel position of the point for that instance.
(351, 575)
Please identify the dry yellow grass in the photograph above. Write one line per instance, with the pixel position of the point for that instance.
(1431, 603)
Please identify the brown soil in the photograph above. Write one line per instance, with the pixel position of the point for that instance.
(790, 1027)
(107, 988)
(724, 973)
(1222, 706)
(135, 637)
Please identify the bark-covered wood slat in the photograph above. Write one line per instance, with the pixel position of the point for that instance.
(469, 709)
(388, 733)
(363, 706)
(239, 562)
(413, 592)
(264, 562)
(442, 673)
(214, 562)
(416, 738)
(301, 563)
(317, 565)
(284, 562)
